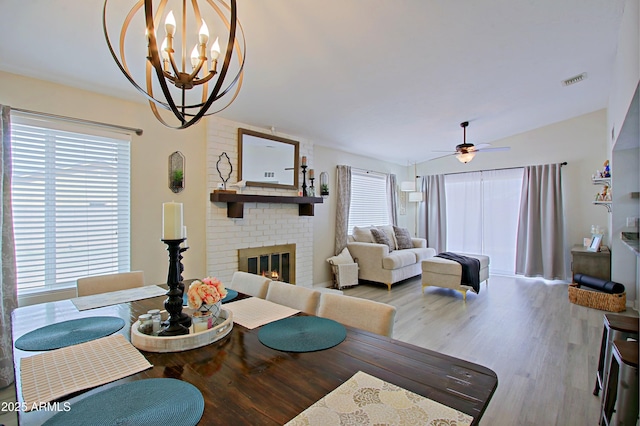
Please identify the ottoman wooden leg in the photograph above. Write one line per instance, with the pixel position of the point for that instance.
(464, 294)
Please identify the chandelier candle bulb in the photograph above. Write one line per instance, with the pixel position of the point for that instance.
(172, 222)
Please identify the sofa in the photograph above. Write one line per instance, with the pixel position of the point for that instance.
(387, 260)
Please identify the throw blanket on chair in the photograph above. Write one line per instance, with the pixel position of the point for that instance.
(470, 269)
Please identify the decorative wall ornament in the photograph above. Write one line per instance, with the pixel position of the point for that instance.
(224, 166)
(176, 172)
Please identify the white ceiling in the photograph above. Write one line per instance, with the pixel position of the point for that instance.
(388, 79)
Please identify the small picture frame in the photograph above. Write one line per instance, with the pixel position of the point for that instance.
(595, 243)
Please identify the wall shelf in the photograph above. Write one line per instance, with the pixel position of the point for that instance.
(235, 202)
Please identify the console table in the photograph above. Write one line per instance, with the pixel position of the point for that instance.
(595, 264)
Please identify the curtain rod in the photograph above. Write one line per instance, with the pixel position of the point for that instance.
(489, 170)
(79, 120)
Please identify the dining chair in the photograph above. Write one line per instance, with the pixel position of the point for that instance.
(97, 284)
(365, 314)
(251, 284)
(294, 296)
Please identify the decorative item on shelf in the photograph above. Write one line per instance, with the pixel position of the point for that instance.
(312, 189)
(205, 297)
(304, 176)
(606, 171)
(176, 172)
(173, 236)
(324, 184)
(224, 165)
(166, 68)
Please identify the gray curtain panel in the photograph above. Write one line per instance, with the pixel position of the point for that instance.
(540, 236)
(433, 213)
(8, 289)
(343, 191)
(392, 193)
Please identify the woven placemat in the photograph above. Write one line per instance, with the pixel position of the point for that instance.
(51, 375)
(143, 402)
(367, 400)
(116, 297)
(302, 334)
(254, 312)
(67, 333)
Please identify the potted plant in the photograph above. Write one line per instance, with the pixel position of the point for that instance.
(177, 180)
(324, 189)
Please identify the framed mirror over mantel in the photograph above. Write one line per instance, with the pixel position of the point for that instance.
(267, 160)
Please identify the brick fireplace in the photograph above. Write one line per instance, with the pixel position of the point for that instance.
(263, 224)
(278, 262)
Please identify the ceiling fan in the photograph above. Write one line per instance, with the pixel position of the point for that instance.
(466, 151)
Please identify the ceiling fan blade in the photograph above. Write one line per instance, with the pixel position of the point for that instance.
(442, 156)
(482, 146)
(501, 148)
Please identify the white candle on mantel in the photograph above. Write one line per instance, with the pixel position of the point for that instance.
(172, 227)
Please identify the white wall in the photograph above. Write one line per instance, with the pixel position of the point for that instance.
(149, 165)
(624, 142)
(326, 160)
(580, 141)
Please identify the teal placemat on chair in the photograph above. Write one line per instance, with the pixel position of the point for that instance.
(68, 333)
(139, 403)
(302, 334)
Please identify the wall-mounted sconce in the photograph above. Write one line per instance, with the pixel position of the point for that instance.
(176, 172)
(324, 185)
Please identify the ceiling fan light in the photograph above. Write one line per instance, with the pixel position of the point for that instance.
(465, 157)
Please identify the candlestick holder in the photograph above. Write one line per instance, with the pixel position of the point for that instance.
(179, 322)
(312, 190)
(304, 180)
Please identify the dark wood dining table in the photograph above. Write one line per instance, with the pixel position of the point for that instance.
(245, 382)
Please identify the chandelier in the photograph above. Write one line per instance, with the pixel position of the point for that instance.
(178, 77)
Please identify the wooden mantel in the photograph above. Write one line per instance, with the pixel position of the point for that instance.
(235, 202)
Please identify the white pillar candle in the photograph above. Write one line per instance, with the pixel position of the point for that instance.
(172, 226)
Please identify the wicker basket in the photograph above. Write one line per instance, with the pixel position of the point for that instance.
(594, 299)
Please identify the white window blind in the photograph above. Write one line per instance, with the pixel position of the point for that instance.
(369, 203)
(70, 196)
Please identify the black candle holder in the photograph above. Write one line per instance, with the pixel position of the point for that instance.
(179, 322)
(304, 180)
(312, 190)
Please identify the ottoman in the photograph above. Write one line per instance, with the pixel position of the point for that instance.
(446, 273)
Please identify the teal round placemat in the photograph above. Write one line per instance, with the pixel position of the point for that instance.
(302, 334)
(142, 402)
(231, 294)
(68, 333)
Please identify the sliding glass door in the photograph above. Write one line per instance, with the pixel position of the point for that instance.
(482, 215)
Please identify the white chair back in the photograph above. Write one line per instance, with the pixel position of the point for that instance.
(111, 282)
(294, 296)
(251, 284)
(360, 313)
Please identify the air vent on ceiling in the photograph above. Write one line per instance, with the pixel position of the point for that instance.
(575, 79)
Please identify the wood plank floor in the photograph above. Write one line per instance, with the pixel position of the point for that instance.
(543, 348)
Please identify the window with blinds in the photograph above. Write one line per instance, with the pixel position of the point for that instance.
(369, 201)
(70, 194)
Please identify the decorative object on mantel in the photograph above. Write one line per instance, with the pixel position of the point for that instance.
(228, 163)
(162, 64)
(205, 297)
(176, 172)
(312, 190)
(304, 177)
(267, 160)
(324, 184)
